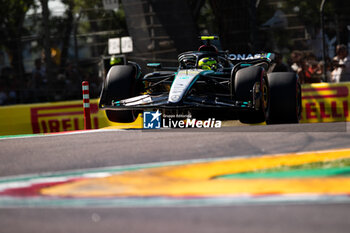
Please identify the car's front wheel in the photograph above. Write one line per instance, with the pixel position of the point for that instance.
(246, 82)
(119, 84)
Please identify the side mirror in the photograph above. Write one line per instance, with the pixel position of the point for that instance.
(154, 65)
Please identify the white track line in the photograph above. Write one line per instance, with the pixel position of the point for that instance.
(62, 133)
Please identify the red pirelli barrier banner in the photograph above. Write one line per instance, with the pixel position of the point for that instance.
(325, 102)
(53, 117)
(58, 118)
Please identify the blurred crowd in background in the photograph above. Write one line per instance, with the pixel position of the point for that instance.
(311, 70)
(59, 47)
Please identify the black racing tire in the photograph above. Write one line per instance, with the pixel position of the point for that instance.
(244, 81)
(119, 84)
(285, 98)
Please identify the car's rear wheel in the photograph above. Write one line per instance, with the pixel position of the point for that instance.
(285, 98)
(247, 81)
(119, 84)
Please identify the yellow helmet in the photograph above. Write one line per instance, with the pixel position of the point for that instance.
(115, 61)
(207, 63)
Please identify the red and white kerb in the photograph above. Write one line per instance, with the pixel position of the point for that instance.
(86, 105)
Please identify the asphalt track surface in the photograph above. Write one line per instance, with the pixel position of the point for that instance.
(42, 154)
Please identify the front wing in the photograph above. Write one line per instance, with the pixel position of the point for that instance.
(160, 101)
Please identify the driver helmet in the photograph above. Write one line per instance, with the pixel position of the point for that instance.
(207, 63)
(115, 60)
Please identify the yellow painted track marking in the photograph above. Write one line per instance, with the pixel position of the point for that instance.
(137, 124)
(196, 179)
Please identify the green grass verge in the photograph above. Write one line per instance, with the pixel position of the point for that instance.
(319, 169)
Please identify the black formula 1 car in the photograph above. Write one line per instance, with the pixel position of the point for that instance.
(207, 83)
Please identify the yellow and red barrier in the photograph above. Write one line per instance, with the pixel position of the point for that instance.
(53, 117)
(325, 102)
